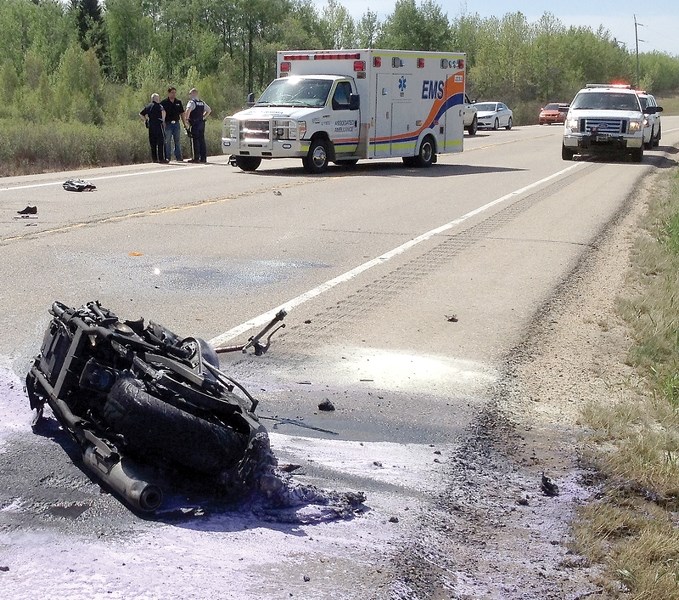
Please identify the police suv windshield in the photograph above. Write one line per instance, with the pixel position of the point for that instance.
(293, 91)
(605, 101)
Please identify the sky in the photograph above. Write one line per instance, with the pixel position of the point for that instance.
(660, 19)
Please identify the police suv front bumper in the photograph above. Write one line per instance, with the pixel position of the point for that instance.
(602, 142)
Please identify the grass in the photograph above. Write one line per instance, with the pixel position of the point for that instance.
(670, 105)
(41, 147)
(632, 528)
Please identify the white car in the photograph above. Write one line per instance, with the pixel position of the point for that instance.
(652, 125)
(493, 115)
(471, 121)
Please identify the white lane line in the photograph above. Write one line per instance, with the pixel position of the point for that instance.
(101, 178)
(264, 318)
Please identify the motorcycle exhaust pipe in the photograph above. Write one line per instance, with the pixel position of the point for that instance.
(123, 476)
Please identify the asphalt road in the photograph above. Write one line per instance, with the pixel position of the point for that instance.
(408, 288)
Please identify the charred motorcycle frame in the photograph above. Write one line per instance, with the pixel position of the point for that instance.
(138, 399)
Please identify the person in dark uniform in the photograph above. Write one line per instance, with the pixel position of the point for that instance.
(196, 113)
(153, 115)
(174, 114)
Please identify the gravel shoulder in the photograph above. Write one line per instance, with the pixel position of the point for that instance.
(499, 535)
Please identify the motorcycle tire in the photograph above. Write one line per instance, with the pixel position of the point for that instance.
(152, 427)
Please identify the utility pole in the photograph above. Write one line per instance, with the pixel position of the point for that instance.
(637, 40)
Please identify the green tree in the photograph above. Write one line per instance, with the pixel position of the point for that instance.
(9, 81)
(368, 29)
(413, 27)
(130, 33)
(338, 26)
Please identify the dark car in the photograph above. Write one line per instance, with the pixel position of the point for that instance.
(554, 112)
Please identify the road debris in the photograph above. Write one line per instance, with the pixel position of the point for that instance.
(29, 210)
(451, 318)
(78, 185)
(326, 405)
(548, 487)
(147, 407)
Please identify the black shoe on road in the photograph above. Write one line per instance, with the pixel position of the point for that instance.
(29, 210)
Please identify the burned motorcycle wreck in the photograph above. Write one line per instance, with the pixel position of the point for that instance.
(139, 400)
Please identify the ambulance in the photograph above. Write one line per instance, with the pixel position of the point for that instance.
(341, 106)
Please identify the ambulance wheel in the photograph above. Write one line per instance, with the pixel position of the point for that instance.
(317, 160)
(496, 125)
(347, 163)
(425, 157)
(509, 124)
(248, 163)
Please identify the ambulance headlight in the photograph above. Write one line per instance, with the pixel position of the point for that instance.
(233, 128)
(285, 129)
(635, 126)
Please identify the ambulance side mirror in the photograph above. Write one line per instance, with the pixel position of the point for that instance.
(250, 101)
(354, 102)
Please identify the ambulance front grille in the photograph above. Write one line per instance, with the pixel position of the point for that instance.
(255, 130)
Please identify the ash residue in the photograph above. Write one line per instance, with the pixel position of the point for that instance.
(276, 496)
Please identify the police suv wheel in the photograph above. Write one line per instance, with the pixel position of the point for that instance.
(638, 155)
(566, 153)
(648, 145)
(656, 141)
(425, 157)
(473, 128)
(317, 160)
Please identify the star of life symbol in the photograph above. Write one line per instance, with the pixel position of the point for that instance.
(402, 84)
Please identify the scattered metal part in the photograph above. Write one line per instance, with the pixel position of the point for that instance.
(326, 405)
(285, 421)
(255, 341)
(451, 318)
(548, 487)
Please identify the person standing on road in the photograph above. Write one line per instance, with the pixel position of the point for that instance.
(153, 115)
(174, 114)
(197, 112)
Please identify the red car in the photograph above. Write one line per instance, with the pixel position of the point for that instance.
(554, 112)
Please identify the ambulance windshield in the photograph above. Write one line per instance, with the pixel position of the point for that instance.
(296, 91)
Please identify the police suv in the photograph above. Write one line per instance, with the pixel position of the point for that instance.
(605, 118)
